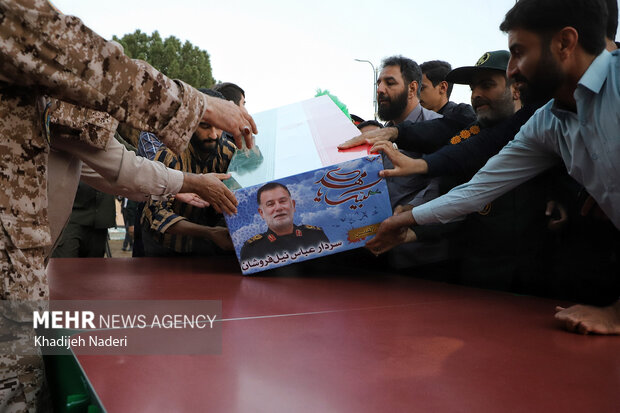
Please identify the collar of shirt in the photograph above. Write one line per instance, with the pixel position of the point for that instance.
(596, 74)
(592, 80)
(414, 116)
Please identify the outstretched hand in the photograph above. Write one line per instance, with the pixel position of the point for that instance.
(557, 214)
(211, 189)
(403, 165)
(371, 137)
(391, 232)
(586, 319)
(231, 118)
(191, 199)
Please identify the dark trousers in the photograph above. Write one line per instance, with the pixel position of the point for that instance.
(80, 241)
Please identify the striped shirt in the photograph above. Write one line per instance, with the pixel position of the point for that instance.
(160, 215)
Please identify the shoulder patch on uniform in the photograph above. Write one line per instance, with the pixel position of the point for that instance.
(254, 239)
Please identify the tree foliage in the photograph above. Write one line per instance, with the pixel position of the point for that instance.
(177, 61)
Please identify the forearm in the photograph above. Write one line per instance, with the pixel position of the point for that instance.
(195, 183)
(98, 182)
(428, 136)
(119, 171)
(403, 219)
(391, 133)
(446, 162)
(469, 156)
(514, 165)
(191, 183)
(191, 229)
(466, 158)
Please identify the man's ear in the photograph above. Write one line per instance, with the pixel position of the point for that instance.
(413, 89)
(443, 87)
(260, 211)
(564, 42)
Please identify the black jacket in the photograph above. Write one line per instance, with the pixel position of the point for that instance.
(430, 135)
(466, 158)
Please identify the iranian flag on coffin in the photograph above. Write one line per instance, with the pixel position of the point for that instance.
(314, 199)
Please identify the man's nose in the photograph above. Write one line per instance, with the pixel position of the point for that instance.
(380, 89)
(476, 92)
(512, 68)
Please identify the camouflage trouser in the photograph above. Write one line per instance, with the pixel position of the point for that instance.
(22, 383)
(22, 379)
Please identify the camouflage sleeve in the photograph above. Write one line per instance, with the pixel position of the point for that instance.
(159, 214)
(80, 124)
(62, 57)
(108, 166)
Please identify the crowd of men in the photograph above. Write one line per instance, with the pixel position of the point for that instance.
(527, 174)
(534, 180)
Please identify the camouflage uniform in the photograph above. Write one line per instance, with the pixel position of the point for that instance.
(43, 51)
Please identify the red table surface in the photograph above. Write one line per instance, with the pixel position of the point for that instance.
(328, 342)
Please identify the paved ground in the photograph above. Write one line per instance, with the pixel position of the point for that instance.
(117, 235)
(116, 249)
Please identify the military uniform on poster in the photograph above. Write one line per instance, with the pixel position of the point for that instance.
(268, 243)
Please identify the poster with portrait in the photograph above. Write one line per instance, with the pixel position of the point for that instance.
(309, 215)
